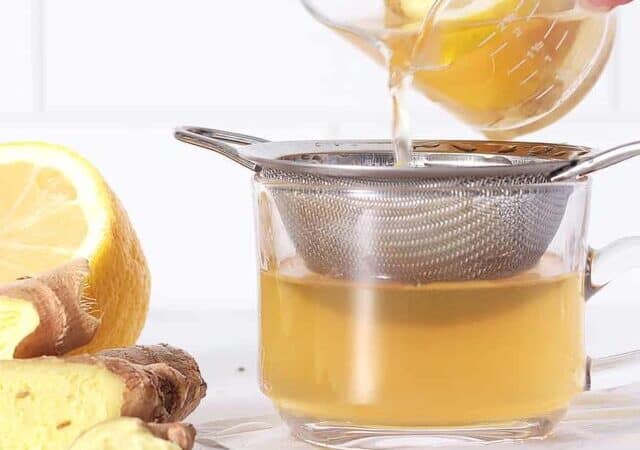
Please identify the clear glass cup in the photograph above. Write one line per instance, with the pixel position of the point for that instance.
(505, 67)
(365, 362)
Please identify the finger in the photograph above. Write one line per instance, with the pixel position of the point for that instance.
(605, 4)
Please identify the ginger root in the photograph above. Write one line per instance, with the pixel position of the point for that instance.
(46, 403)
(46, 315)
(134, 434)
(182, 434)
(163, 383)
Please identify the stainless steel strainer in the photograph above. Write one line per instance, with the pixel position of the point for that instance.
(463, 210)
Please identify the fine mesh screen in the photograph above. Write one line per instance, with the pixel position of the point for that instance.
(417, 229)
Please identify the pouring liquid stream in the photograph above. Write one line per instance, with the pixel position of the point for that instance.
(401, 125)
(401, 74)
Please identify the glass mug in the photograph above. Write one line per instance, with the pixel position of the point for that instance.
(358, 351)
(369, 364)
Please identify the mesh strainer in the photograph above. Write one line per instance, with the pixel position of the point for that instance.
(463, 210)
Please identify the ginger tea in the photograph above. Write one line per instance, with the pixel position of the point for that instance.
(441, 354)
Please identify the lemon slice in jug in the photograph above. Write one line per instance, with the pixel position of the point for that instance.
(460, 10)
(459, 28)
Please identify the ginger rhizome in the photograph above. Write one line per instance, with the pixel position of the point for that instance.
(181, 434)
(46, 403)
(134, 434)
(46, 315)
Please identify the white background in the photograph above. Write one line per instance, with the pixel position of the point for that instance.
(112, 78)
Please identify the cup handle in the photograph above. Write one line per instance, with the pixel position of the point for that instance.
(602, 267)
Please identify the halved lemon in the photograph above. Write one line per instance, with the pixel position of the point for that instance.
(56, 207)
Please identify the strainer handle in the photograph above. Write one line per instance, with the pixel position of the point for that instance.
(603, 266)
(220, 142)
(599, 161)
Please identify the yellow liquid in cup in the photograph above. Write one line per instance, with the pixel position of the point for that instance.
(506, 67)
(443, 354)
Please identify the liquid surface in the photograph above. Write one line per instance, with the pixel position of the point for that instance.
(506, 67)
(443, 354)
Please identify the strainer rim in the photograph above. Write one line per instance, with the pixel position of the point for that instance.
(278, 156)
(377, 186)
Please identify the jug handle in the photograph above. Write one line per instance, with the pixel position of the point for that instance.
(602, 267)
(220, 142)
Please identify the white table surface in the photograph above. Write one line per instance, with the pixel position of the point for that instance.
(224, 341)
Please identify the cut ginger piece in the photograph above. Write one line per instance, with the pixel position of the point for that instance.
(46, 403)
(133, 434)
(46, 315)
(183, 434)
(18, 319)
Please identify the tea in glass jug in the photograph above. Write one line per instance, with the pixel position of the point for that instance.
(505, 67)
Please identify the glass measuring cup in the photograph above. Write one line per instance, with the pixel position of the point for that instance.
(505, 67)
